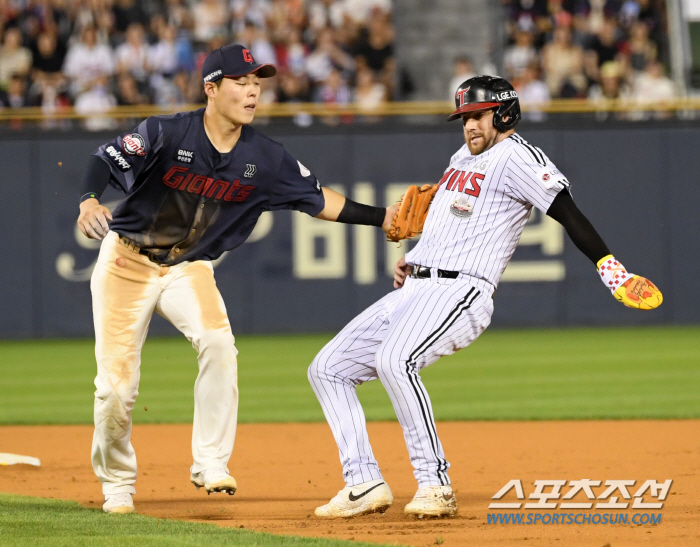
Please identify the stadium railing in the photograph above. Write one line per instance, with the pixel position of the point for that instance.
(286, 110)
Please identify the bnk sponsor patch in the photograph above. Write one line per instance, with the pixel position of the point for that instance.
(185, 156)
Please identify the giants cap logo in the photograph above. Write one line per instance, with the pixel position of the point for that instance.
(461, 94)
(134, 144)
(247, 57)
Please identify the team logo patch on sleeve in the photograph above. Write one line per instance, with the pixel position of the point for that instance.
(550, 177)
(117, 158)
(134, 144)
(303, 170)
(185, 156)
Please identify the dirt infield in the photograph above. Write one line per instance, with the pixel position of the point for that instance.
(285, 470)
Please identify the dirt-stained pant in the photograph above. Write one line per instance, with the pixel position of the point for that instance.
(126, 288)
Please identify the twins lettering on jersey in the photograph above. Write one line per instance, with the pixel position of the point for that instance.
(180, 178)
(466, 182)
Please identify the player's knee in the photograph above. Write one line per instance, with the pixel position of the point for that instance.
(316, 370)
(387, 365)
(322, 369)
(217, 342)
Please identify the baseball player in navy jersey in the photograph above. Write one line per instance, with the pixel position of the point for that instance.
(195, 184)
(443, 297)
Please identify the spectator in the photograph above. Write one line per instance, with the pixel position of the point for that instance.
(368, 94)
(48, 55)
(653, 86)
(532, 92)
(94, 102)
(563, 64)
(376, 44)
(463, 70)
(604, 47)
(127, 13)
(16, 95)
(210, 19)
(520, 55)
(641, 50)
(612, 85)
(128, 93)
(291, 55)
(132, 55)
(14, 58)
(325, 13)
(327, 55)
(361, 11)
(292, 89)
(162, 57)
(334, 90)
(87, 60)
(252, 11)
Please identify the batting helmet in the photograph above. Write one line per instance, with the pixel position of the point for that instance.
(486, 93)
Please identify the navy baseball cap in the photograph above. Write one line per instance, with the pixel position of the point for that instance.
(233, 61)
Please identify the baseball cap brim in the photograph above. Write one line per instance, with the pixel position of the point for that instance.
(472, 107)
(263, 71)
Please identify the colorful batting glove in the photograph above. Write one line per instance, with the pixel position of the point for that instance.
(634, 291)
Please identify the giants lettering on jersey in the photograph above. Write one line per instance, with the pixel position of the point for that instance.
(180, 178)
(462, 181)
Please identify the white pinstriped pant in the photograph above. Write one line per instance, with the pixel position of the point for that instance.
(408, 329)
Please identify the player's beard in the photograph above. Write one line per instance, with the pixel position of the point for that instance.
(482, 144)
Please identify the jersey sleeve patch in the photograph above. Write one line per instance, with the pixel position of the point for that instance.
(303, 170)
(549, 176)
(117, 158)
(134, 144)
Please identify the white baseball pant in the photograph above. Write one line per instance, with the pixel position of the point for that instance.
(126, 288)
(407, 330)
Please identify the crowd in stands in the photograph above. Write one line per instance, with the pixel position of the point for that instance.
(97, 53)
(596, 49)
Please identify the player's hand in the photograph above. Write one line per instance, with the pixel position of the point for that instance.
(390, 213)
(93, 219)
(401, 270)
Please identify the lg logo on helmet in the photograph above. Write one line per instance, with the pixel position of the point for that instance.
(506, 95)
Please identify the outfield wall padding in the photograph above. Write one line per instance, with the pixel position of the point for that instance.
(638, 185)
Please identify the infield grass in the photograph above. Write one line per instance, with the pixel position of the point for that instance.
(34, 522)
(650, 372)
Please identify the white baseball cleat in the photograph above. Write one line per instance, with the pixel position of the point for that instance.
(432, 501)
(119, 503)
(361, 499)
(215, 479)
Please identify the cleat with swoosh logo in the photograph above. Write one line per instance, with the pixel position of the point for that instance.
(361, 499)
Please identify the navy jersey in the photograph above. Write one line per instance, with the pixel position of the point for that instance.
(186, 201)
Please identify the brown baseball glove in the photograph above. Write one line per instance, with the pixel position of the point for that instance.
(409, 219)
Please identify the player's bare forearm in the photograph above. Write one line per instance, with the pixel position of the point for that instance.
(401, 270)
(334, 204)
(360, 214)
(93, 219)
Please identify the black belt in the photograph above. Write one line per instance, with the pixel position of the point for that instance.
(132, 245)
(424, 272)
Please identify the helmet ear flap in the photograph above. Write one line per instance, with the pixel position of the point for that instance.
(512, 109)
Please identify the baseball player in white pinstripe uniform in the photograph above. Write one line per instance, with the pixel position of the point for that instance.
(443, 300)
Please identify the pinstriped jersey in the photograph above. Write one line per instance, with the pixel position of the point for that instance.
(481, 207)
